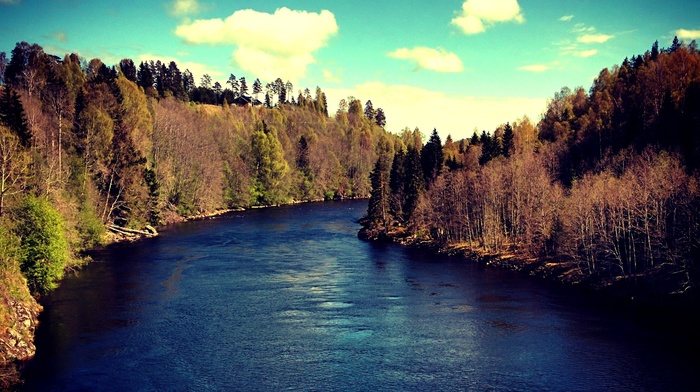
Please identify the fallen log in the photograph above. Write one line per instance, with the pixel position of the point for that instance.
(149, 232)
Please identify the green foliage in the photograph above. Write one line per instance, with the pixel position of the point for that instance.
(236, 186)
(12, 283)
(43, 246)
(270, 167)
(90, 228)
(9, 246)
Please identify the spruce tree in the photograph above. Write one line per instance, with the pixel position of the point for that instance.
(369, 111)
(243, 87)
(380, 118)
(432, 158)
(397, 184)
(378, 209)
(415, 182)
(13, 116)
(508, 141)
(474, 140)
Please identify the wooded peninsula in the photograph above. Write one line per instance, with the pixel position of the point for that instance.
(601, 191)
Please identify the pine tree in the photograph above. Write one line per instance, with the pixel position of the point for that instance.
(243, 87)
(13, 116)
(3, 66)
(415, 182)
(378, 209)
(369, 110)
(487, 148)
(508, 141)
(257, 88)
(432, 158)
(233, 82)
(303, 163)
(655, 50)
(145, 78)
(397, 184)
(474, 140)
(128, 69)
(380, 118)
(188, 81)
(675, 45)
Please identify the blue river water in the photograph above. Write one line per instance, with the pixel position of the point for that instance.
(288, 299)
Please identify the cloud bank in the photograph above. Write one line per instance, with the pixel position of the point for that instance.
(478, 15)
(437, 60)
(185, 7)
(688, 34)
(275, 45)
(405, 106)
(535, 68)
(594, 38)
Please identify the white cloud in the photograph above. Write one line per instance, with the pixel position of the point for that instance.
(594, 38)
(267, 45)
(535, 68)
(437, 60)
(185, 7)
(688, 34)
(582, 28)
(59, 36)
(329, 77)
(586, 53)
(405, 106)
(477, 15)
(566, 18)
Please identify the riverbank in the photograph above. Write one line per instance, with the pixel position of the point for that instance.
(19, 310)
(641, 292)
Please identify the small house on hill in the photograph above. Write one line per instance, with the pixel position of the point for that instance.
(246, 101)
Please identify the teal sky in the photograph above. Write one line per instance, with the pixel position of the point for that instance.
(452, 65)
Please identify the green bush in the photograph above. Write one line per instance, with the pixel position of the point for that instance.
(43, 245)
(90, 228)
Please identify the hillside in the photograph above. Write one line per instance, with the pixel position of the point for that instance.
(85, 146)
(603, 192)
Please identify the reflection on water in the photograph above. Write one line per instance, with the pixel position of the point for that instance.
(289, 299)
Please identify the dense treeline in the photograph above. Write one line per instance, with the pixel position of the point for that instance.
(605, 184)
(84, 145)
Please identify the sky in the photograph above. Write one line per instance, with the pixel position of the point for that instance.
(453, 65)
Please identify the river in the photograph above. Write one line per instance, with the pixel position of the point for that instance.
(289, 299)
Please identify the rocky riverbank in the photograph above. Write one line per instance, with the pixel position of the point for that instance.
(20, 313)
(649, 291)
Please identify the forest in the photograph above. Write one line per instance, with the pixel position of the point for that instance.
(602, 191)
(603, 188)
(85, 146)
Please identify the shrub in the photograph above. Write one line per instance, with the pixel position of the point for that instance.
(43, 245)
